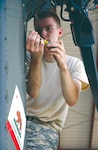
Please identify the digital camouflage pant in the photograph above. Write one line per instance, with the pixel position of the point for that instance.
(41, 137)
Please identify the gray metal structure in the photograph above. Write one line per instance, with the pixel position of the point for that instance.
(12, 61)
(13, 17)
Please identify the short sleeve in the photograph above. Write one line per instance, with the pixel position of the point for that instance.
(77, 70)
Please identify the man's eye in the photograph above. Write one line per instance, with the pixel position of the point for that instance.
(48, 28)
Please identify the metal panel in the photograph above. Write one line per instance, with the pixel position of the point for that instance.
(76, 132)
(69, 138)
(2, 76)
(12, 61)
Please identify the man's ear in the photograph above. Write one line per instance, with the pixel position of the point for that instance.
(60, 32)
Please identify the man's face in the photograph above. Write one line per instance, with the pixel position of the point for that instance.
(48, 29)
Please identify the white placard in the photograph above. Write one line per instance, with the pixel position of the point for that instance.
(16, 122)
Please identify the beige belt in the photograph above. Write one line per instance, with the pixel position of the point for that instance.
(36, 120)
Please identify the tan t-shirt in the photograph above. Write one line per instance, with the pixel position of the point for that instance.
(50, 104)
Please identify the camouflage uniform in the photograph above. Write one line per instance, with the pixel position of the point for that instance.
(41, 137)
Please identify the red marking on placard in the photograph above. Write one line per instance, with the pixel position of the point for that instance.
(12, 134)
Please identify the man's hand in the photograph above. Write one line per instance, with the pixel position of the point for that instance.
(35, 45)
(58, 52)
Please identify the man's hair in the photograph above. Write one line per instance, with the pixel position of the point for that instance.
(44, 14)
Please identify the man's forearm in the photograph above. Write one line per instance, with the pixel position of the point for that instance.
(70, 87)
(34, 78)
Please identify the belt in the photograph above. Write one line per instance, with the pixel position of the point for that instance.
(37, 120)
